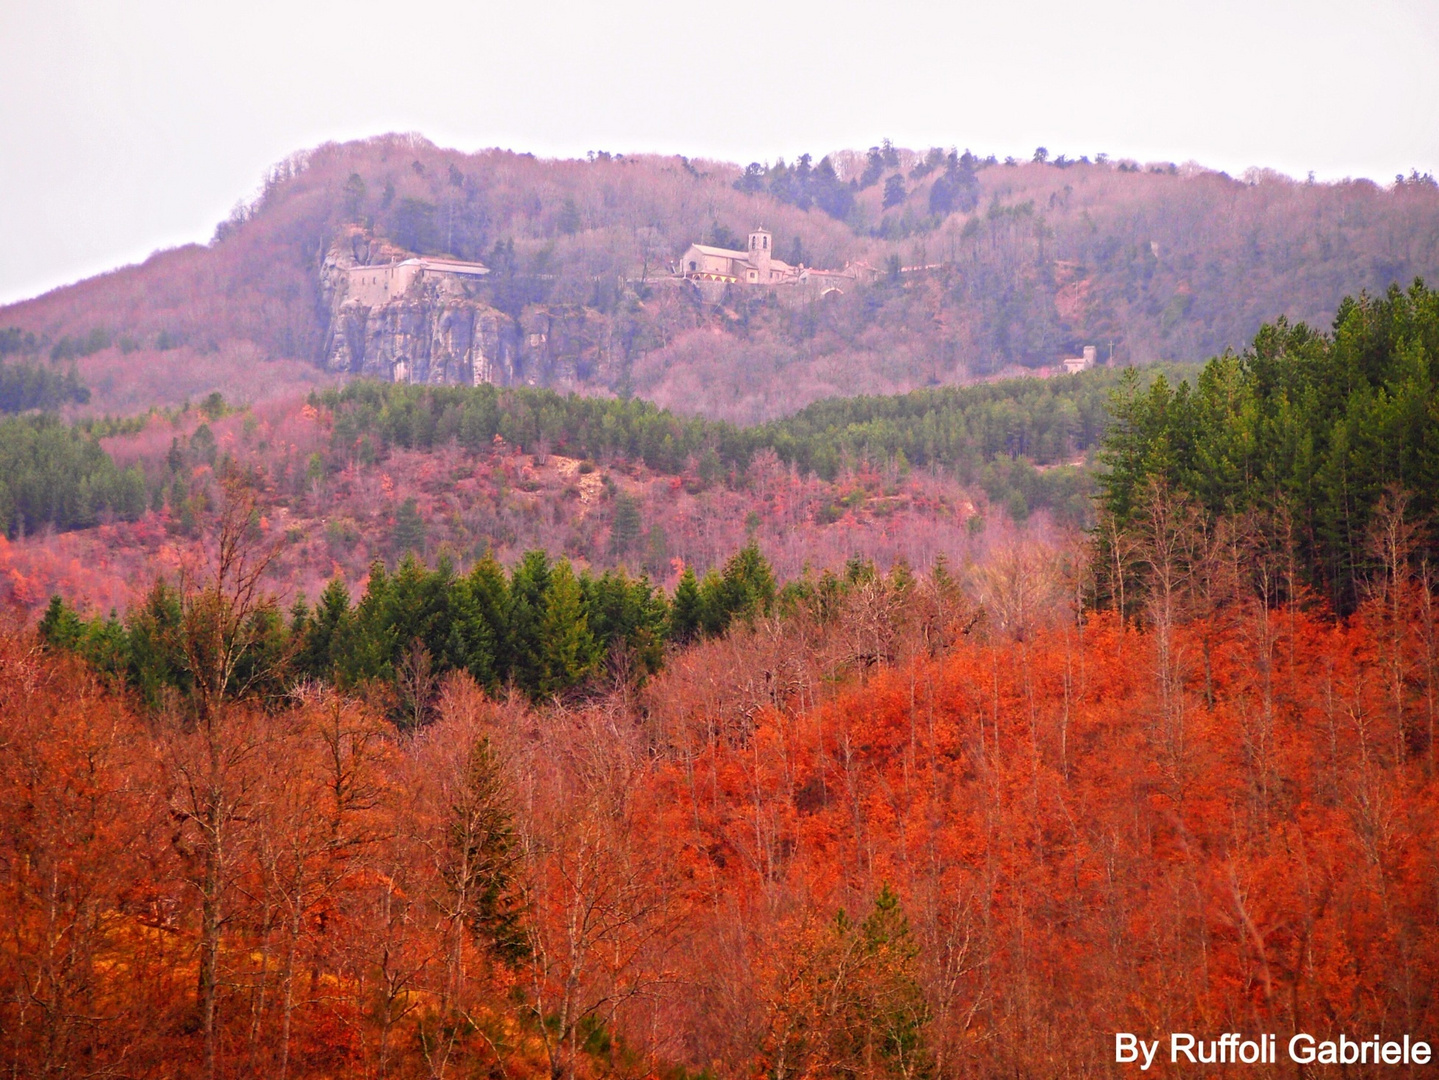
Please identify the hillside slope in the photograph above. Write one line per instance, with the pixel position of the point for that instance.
(983, 267)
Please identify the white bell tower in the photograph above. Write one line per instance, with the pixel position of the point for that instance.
(760, 242)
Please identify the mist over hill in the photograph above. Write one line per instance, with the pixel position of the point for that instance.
(975, 267)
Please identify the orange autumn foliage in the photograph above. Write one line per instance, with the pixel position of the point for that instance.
(1078, 840)
(1078, 858)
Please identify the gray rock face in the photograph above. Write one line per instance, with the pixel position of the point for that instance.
(435, 331)
(423, 339)
(567, 345)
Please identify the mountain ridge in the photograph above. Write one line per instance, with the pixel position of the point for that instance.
(1019, 264)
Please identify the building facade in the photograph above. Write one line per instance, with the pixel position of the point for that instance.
(1073, 365)
(754, 266)
(375, 285)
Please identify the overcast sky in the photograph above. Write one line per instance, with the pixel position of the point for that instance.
(131, 125)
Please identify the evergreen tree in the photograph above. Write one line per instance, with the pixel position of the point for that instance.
(567, 648)
(481, 619)
(831, 194)
(854, 1005)
(1304, 428)
(529, 587)
(747, 587)
(890, 1007)
(569, 221)
(156, 660)
(324, 634)
(354, 198)
(686, 609)
(626, 614)
(409, 534)
(480, 853)
(894, 191)
(714, 611)
(626, 527)
(873, 168)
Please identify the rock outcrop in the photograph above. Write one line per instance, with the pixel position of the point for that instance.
(412, 320)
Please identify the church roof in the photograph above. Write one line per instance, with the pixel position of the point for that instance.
(455, 266)
(723, 252)
(448, 266)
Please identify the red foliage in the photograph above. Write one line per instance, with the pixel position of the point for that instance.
(1087, 832)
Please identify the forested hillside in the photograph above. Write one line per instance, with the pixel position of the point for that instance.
(366, 474)
(941, 821)
(981, 266)
(1317, 455)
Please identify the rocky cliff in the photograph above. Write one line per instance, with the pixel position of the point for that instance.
(435, 329)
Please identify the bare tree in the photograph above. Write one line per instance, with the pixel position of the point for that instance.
(1390, 544)
(416, 682)
(212, 760)
(603, 903)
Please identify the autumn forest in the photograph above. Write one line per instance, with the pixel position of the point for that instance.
(634, 789)
(750, 683)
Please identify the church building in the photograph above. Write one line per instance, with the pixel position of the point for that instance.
(756, 266)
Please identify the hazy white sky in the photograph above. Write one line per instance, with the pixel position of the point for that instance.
(130, 125)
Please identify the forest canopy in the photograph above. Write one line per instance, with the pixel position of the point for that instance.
(30, 386)
(543, 628)
(991, 434)
(917, 825)
(1305, 434)
(53, 474)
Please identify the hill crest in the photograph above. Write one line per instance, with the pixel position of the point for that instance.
(1020, 265)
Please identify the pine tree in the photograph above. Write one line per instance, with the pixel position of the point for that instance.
(686, 608)
(480, 854)
(626, 527)
(567, 648)
(409, 532)
(529, 588)
(325, 632)
(894, 192)
(481, 616)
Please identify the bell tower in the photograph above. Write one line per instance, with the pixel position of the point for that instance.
(759, 250)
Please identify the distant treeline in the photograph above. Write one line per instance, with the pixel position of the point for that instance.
(993, 434)
(25, 385)
(805, 184)
(16, 341)
(1305, 443)
(29, 386)
(1020, 440)
(53, 474)
(542, 628)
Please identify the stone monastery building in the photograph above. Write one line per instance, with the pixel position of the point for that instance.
(375, 285)
(1073, 365)
(757, 266)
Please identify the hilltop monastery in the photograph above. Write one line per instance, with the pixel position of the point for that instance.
(379, 284)
(756, 265)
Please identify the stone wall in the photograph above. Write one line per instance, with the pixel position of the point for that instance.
(437, 330)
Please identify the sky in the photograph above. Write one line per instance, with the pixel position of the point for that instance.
(127, 126)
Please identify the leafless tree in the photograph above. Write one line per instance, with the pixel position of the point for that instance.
(212, 758)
